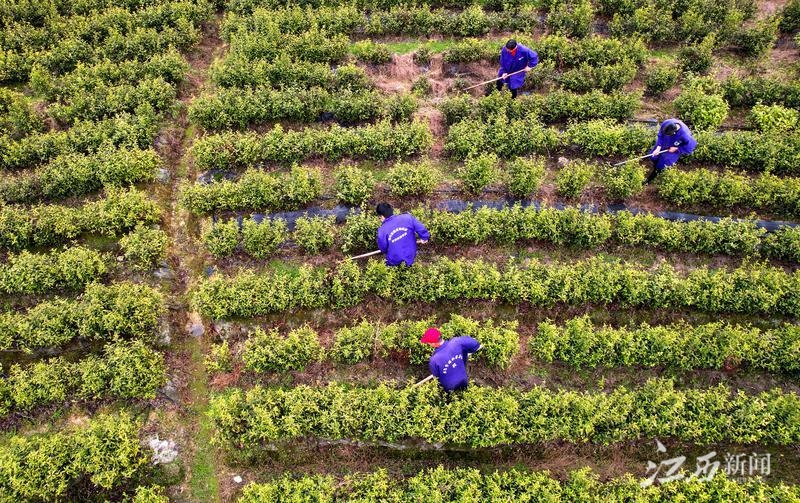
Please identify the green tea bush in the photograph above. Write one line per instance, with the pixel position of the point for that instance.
(354, 186)
(381, 141)
(697, 58)
(316, 234)
(458, 484)
(607, 78)
(556, 106)
(123, 130)
(255, 190)
(489, 417)
(478, 172)
(68, 269)
(367, 340)
(105, 455)
(126, 370)
(260, 240)
(751, 91)
(269, 352)
(622, 182)
(106, 100)
(717, 345)
(283, 72)
(18, 118)
(783, 244)
(371, 52)
(757, 40)
(505, 137)
(221, 239)
(604, 138)
(573, 178)
(573, 18)
(360, 231)
(219, 359)
(751, 289)
(790, 17)
(423, 55)
(78, 174)
(659, 79)
(729, 237)
(773, 118)
(45, 225)
(728, 189)
(413, 179)
(525, 176)
(422, 86)
(703, 111)
(123, 310)
(144, 247)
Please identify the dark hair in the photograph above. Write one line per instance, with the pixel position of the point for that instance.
(511, 44)
(671, 128)
(384, 209)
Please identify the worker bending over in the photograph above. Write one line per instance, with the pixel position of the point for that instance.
(397, 235)
(513, 58)
(674, 140)
(448, 362)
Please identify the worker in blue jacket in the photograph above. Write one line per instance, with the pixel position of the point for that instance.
(448, 362)
(674, 140)
(397, 235)
(513, 58)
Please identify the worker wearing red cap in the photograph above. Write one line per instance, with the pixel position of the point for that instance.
(448, 362)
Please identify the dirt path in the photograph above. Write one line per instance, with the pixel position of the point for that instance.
(187, 372)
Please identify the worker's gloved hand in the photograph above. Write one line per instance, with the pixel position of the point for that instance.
(505, 75)
(673, 149)
(528, 68)
(422, 241)
(656, 152)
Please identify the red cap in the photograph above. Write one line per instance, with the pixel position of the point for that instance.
(431, 335)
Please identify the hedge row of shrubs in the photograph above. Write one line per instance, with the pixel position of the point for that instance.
(486, 417)
(106, 100)
(122, 310)
(115, 34)
(102, 21)
(239, 108)
(463, 484)
(248, 6)
(580, 343)
(283, 72)
(124, 130)
(728, 189)
(169, 66)
(75, 174)
(269, 42)
(269, 351)
(381, 141)
(119, 211)
(68, 269)
(778, 153)
(256, 190)
(126, 370)
(562, 51)
(752, 289)
(569, 227)
(18, 117)
(691, 21)
(555, 106)
(263, 239)
(104, 455)
(348, 19)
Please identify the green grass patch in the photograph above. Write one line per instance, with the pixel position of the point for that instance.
(203, 478)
